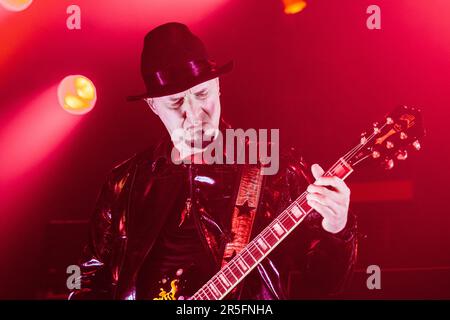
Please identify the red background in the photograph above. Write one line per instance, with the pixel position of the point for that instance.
(320, 76)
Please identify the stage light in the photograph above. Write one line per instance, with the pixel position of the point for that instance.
(293, 6)
(29, 135)
(15, 5)
(77, 94)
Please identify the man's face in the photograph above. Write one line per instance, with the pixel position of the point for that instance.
(191, 117)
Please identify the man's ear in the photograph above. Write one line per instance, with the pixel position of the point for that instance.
(151, 104)
(218, 83)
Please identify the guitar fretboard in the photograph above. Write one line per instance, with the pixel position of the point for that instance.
(256, 250)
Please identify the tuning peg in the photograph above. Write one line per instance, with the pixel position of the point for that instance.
(389, 144)
(403, 135)
(389, 120)
(388, 164)
(375, 128)
(401, 155)
(416, 145)
(363, 139)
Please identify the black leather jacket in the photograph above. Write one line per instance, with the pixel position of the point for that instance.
(135, 200)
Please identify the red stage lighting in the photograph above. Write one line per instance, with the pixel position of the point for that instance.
(32, 134)
(77, 94)
(293, 6)
(15, 5)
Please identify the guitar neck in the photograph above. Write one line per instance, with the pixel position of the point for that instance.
(259, 248)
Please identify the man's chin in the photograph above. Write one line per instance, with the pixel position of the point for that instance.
(198, 144)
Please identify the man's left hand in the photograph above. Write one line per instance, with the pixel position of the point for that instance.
(330, 197)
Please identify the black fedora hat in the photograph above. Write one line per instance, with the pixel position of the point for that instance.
(174, 60)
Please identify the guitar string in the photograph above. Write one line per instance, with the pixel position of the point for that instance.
(283, 218)
(252, 245)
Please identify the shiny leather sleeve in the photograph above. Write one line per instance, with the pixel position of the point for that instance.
(330, 259)
(95, 260)
(322, 262)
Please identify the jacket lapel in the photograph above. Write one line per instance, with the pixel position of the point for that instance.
(151, 198)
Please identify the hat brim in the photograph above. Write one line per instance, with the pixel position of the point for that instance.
(175, 88)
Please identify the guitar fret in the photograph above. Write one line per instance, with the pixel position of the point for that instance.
(231, 272)
(235, 267)
(255, 245)
(224, 280)
(197, 295)
(282, 226)
(208, 294)
(266, 242)
(213, 294)
(214, 289)
(296, 211)
(274, 234)
(249, 254)
(304, 206)
(263, 244)
(242, 263)
(278, 229)
(239, 267)
(254, 252)
(342, 169)
(270, 238)
(219, 285)
(248, 260)
(204, 293)
(287, 221)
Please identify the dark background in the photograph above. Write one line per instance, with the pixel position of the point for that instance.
(320, 76)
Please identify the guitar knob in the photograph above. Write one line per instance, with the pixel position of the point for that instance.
(388, 164)
(389, 120)
(416, 145)
(403, 136)
(401, 155)
(389, 144)
(179, 272)
(375, 154)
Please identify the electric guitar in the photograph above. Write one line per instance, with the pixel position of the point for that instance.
(392, 140)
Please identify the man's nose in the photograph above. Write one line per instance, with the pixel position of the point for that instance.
(193, 111)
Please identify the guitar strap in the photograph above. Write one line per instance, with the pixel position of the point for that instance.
(244, 211)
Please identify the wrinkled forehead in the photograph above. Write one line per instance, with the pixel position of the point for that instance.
(204, 86)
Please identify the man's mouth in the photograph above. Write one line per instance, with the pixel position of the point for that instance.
(200, 138)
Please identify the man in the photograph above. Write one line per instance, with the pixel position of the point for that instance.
(158, 221)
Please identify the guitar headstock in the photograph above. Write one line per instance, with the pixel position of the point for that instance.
(390, 140)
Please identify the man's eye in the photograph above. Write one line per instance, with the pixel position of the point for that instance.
(202, 95)
(177, 103)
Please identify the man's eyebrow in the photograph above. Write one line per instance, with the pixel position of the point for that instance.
(176, 99)
(200, 91)
(204, 90)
